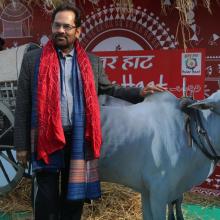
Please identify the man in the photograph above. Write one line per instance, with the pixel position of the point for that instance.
(57, 103)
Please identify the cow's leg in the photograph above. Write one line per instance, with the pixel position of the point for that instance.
(158, 205)
(171, 215)
(179, 213)
(146, 206)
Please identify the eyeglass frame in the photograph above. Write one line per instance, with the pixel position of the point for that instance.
(66, 27)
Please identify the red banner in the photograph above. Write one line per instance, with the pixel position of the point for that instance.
(169, 68)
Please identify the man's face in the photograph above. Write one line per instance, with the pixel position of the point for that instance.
(64, 30)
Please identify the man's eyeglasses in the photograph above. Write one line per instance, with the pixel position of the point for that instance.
(66, 27)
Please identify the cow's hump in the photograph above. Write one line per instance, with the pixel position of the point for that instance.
(159, 97)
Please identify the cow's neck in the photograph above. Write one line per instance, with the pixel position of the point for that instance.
(211, 123)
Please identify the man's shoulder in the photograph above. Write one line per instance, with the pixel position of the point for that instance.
(33, 54)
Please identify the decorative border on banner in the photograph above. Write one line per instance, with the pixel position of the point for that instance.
(212, 58)
(143, 24)
(208, 192)
(212, 67)
(212, 74)
(212, 79)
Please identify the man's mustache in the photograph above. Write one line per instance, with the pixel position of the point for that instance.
(60, 35)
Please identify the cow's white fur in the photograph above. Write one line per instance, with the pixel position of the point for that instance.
(145, 147)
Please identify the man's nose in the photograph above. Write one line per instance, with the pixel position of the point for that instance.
(61, 29)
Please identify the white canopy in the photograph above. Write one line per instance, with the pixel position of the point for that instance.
(10, 61)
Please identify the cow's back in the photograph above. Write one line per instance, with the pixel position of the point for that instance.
(157, 115)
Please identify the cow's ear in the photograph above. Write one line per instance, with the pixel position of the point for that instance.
(203, 104)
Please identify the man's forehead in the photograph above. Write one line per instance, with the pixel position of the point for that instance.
(65, 16)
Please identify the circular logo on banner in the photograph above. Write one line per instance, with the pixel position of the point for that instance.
(191, 63)
(108, 29)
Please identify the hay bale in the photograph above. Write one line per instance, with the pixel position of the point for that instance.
(18, 199)
(117, 202)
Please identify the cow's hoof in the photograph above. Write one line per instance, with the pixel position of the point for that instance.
(171, 217)
(180, 217)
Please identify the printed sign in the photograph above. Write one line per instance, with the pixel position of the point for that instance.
(191, 64)
(137, 68)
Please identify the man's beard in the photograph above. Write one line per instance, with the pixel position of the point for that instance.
(62, 44)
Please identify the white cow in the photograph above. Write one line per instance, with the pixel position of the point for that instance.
(145, 147)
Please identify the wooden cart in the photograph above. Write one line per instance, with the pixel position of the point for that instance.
(10, 63)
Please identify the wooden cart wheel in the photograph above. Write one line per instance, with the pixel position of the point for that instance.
(10, 171)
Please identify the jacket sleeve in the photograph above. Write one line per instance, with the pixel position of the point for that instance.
(22, 127)
(131, 94)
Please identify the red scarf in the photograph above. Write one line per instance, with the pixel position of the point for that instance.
(50, 132)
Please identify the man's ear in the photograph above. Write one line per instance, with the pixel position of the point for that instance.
(78, 32)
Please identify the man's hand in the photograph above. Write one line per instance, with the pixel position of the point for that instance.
(150, 89)
(22, 157)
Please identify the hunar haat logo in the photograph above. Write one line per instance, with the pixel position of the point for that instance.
(191, 63)
(109, 30)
